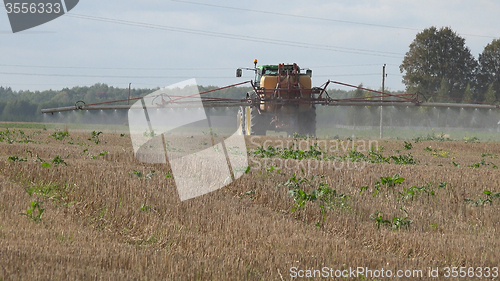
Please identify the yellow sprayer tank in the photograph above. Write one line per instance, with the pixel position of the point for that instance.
(270, 82)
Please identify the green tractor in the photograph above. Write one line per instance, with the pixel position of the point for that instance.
(282, 100)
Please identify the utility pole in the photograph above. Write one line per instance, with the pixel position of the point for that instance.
(381, 107)
(128, 101)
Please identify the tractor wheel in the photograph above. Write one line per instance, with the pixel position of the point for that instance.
(307, 122)
(254, 122)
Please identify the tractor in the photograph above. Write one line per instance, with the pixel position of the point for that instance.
(282, 99)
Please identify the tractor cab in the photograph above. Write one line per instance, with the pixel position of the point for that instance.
(280, 70)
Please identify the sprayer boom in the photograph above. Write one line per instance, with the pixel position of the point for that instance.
(282, 99)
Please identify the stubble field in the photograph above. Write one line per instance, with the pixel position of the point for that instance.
(395, 205)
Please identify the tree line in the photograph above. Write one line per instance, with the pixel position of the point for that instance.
(439, 64)
(25, 106)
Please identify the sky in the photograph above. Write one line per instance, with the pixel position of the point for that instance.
(156, 43)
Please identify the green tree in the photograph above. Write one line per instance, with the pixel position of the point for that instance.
(359, 92)
(435, 55)
(19, 110)
(490, 95)
(489, 68)
(468, 95)
(444, 90)
(2, 106)
(63, 97)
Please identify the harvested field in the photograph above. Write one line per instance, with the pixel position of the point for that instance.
(396, 205)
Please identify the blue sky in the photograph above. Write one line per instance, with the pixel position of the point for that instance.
(158, 43)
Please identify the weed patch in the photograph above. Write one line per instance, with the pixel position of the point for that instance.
(16, 158)
(396, 223)
(60, 135)
(34, 211)
(470, 139)
(388, 182)
(289, 153)
(320, 193)
(15, 136)
(482, 163)
(407, 145)
(95, 137)
(490, 196)
(432, 137)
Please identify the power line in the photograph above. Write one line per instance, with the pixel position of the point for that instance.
(41, 84)
(164, 68)
(353, 74)
(108, 76)
(118, 68)
(291, 15)
(316, 18)
(295, 16)
(344, 65)
(8, 84)
(240, 37)
(154, 77)
(29, 84)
